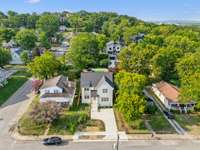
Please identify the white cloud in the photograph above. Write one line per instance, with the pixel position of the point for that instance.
(33, 1)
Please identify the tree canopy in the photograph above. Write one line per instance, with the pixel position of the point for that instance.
(129, 95)
(48, 23)
(44, 66)
(84, 51)
(5, 56)
(26, 38)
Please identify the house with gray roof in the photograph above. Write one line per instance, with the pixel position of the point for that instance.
(58, 89)
(15, 54)
(98, 88)
(113, 49)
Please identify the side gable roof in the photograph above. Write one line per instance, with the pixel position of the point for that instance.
(170, 91)
(58, 81)
(91, 79)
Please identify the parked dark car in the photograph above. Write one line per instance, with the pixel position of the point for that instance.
(52, 141)
(169, 114)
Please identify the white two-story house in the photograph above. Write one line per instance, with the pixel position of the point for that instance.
(113, 49)
(97, 87)
(58, 89)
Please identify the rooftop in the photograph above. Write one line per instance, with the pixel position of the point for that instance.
(93, 78)
(170, 91)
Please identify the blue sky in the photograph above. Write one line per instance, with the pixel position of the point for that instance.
(150, 10)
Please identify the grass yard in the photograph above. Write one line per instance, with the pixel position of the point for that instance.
(157, 121)
(14, 83)
(68, 123)
(159, 124)
(27, 126)
(92, 126)
(190, 122)
(135, 127)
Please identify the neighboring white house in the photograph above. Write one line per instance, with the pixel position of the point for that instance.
(58, 89)
(4, 75)
(98, 88)
(169, 96)
(62, 28)
(10, 44)
(59, 51)
(112, 49)
(15, 54)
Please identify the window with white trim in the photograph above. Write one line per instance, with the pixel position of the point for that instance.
(87, 97)
(104, 99)
(87, 89)
(105, 90)
(56, 91)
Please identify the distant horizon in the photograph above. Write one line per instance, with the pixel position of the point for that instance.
(151, 11)
(170, 20)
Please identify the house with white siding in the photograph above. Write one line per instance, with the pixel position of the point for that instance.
(15, 55)
(58, 89)
(98, 88)
(169, 96)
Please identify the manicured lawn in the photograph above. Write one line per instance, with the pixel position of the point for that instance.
(190, 122)
(14, 83)
(159, 123)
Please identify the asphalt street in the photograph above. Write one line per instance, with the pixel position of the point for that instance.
(10, 110)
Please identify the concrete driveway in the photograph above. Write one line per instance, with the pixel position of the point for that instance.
(108, 117)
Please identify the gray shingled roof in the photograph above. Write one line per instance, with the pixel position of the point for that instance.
(93, 78)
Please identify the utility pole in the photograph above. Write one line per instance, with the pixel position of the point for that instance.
(116, 145)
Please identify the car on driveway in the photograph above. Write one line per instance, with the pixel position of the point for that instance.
(169, 114)
(52, 141)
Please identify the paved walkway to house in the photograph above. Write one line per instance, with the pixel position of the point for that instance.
(111, 132)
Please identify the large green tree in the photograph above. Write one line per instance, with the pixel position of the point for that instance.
(25, 57)
(188, 65)
(44, 66)
(26, 38)
(44, 41)
(129, 95)
(84, 51)
(163, 63)
(48, 23)
(6, 34)
(5, 56)
(136, 58)
(190, 89)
